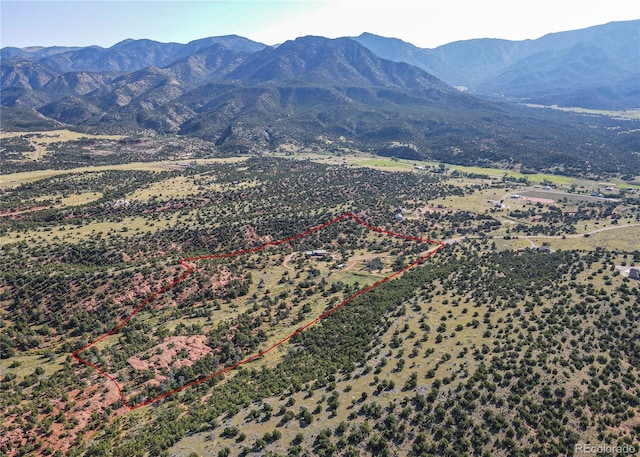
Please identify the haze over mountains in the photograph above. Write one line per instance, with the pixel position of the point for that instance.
(596, 67)
(377, 93)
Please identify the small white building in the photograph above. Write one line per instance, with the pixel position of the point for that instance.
(316, 253)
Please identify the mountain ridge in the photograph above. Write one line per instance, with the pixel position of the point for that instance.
(486, 65)
(315, 91)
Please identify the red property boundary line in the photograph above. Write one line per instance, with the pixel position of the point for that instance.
(190, 270)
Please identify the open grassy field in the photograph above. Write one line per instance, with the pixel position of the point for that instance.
(41, 140)
(622, 237)
(15, 179)
(56, 136)
(70, 233)
(181, 187)
(476, 202)
(393, 164)
(24, 365)
(401, 164)
(168, 189)
(73, 199)
(497, 172)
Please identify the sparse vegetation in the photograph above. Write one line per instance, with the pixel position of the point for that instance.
(489, 347)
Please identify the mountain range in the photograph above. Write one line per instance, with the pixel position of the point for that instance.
(597, 67)
(373, 93)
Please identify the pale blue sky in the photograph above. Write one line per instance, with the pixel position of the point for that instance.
(425, 23)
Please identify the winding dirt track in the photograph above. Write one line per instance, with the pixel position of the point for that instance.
(287, 259)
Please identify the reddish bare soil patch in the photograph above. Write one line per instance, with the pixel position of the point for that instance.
(84, 410)
(165, 355)
(220, 280)
(251, 235)
(138, 288)
(18, 212)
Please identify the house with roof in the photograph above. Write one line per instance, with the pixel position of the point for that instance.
(316, 254)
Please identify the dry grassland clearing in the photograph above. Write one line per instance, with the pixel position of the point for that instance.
(71, 233)
(622, 237)
(56, 136)
(71, 200)
(182, 187)
(419, 166)
(26, 364)
(41, 140)
(15, 179)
